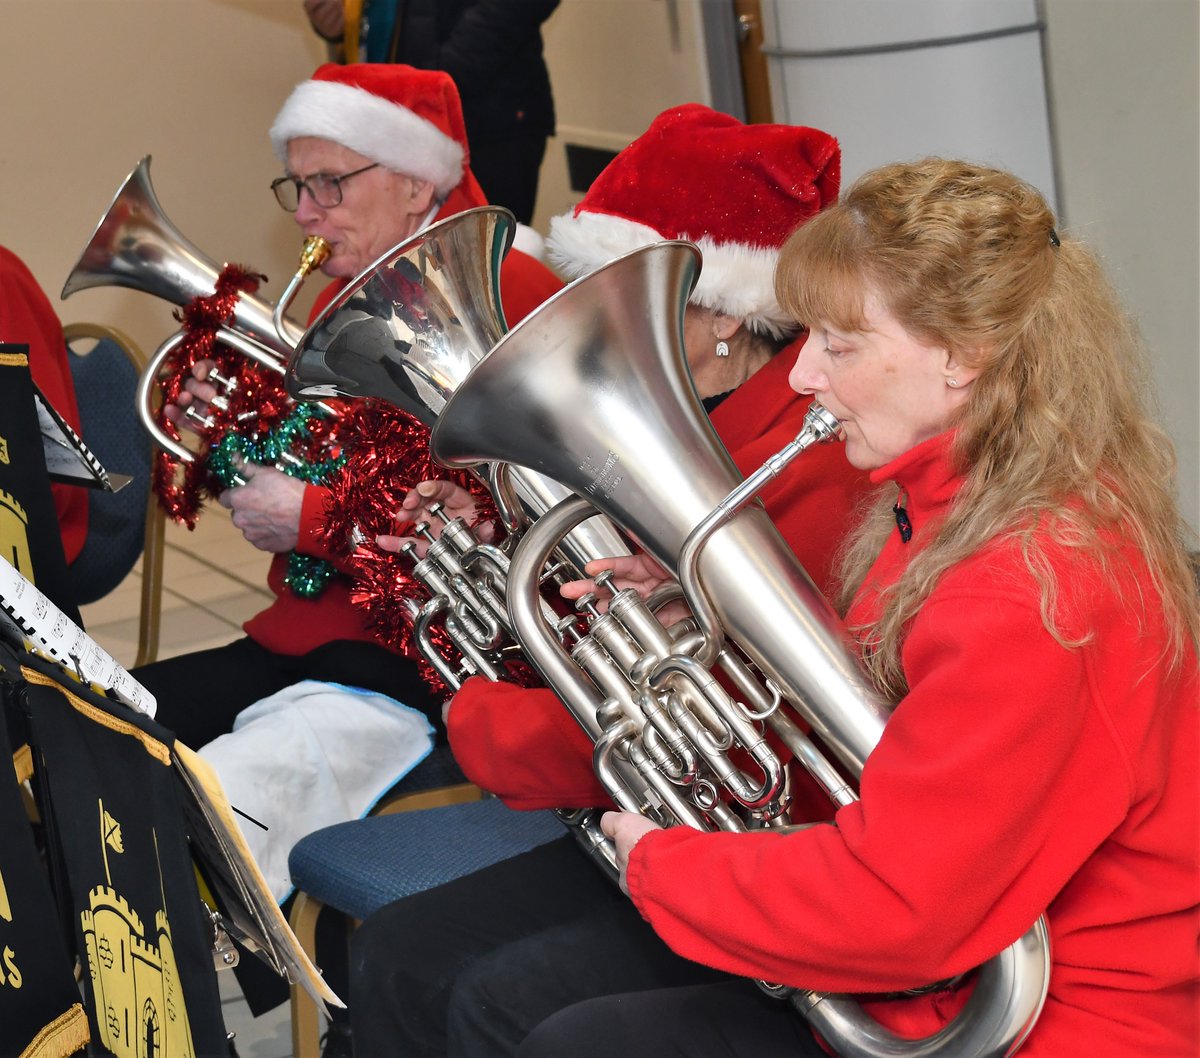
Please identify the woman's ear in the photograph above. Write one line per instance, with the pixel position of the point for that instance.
(725, 327)
(960, 370)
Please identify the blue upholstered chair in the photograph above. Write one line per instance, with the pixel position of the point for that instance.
(126, 525)
(356, 868)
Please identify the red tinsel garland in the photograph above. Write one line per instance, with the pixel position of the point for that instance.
(388, 454)
(257, 401)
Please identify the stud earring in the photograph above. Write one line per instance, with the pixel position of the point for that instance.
(952, 383)
(722, 348)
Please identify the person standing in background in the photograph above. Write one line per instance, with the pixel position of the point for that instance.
(493, 51)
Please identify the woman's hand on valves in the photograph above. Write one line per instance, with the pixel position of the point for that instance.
(624, 830)
(418, 506)
(640, 572)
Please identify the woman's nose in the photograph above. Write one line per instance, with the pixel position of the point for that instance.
(804, 377)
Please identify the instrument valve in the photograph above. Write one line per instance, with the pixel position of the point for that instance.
(423, 529)
(438, 510)
(605, 581)
(204, 421)
(587, 604)
(567, 628)
(551, 572)
(229, 384)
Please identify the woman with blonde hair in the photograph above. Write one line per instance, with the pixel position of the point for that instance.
(1022, 591)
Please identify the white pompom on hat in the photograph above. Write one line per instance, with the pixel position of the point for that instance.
(735, 190)
(406, 119)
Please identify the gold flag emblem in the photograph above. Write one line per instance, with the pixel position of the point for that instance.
(112, 833)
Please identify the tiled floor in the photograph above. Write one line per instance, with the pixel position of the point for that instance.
(212, 581)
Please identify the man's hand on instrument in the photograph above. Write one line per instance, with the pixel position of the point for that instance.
(196, 394)
(624, 830)
(456, 502)
(267, 507)
(327, 17)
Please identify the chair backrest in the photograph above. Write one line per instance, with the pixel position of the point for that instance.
(127, 524)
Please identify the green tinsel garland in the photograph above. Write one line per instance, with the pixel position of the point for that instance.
(306, 575)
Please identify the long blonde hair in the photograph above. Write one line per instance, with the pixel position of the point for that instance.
(1055, 432)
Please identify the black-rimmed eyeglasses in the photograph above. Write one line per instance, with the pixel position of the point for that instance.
(325, 188)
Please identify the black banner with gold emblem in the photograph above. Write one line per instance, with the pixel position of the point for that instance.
(40, 1010)
(111, 802)
(29, 534)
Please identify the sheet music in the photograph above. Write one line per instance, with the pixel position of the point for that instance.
(68, 459)
(45, 630)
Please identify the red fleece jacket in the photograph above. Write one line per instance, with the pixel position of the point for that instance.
(293, 625)
(1017, 776)
(523, 745)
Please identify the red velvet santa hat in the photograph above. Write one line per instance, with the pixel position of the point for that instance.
(406, 119)
(735, 190)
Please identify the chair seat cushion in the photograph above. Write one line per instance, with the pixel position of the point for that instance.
(359, 866)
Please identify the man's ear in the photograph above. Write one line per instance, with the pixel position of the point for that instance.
(420, 196)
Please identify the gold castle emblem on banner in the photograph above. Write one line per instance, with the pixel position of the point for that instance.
(14, 535)
(139, 999)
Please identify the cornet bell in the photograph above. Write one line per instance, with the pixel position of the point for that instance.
(135, 245)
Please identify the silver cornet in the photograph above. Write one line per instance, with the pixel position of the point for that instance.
(136, 246)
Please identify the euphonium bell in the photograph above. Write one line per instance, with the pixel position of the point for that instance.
(593, 390)
(408, 330)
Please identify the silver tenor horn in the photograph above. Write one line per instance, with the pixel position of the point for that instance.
(593, 390)
(408, 330)
(135, 245)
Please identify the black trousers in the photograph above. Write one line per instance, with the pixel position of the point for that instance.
(541, 955)
(200, 694)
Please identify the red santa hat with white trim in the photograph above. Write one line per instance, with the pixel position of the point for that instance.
(735, 190)
(406, 119)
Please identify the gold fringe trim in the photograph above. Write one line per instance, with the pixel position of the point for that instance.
(65, 1035)
(13, 360)
(158, 750)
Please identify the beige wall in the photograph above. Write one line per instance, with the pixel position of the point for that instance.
(92, 85)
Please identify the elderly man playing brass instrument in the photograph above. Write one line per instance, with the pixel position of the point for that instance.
(373, 153)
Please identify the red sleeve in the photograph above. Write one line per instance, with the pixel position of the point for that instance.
(28, 318)
(523, 745)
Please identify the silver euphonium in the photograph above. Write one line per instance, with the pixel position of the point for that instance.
(593, 390)
(408, 330)
(135, 245)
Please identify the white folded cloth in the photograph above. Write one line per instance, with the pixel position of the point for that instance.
(312, 755)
